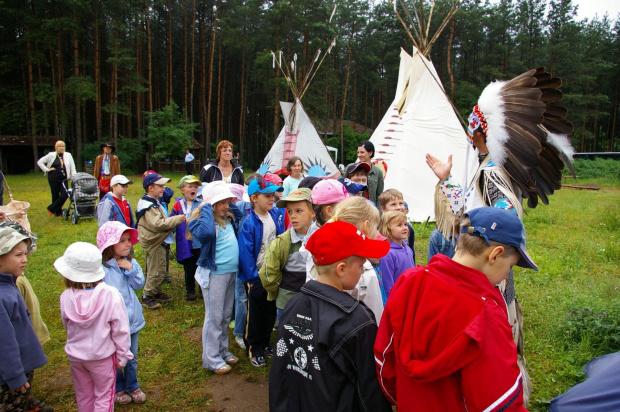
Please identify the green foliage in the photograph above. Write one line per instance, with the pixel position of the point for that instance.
(128, 150)
(608, 168)
(351, 139)
(81, 87)
(596, 327)
(169, 131)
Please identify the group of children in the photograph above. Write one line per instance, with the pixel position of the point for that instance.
(335, 272)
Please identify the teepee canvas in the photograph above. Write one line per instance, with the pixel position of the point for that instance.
(298, 137)
(420, 120)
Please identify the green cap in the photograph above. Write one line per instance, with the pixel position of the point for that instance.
(189, 179)
(296, 196)
(10, 237)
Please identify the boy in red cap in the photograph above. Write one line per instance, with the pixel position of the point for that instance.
(323, 358)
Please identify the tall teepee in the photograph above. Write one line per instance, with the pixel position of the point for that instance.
(299, 137)
(420, 120)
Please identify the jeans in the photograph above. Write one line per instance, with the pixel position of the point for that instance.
(59, 196)
(127, 378)
(241, 307)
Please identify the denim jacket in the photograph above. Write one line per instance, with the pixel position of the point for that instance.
(127, 282)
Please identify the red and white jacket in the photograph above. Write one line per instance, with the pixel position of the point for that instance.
(444, 343)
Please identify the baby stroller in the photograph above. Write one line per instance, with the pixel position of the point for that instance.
(83, 196)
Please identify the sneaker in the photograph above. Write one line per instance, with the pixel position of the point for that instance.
(258, 361)
(162, 297)
(268, 352)
(49, 213)
(150, 303)
(223, 370)
(122, 398)
(36, 405)
(190, 296)
(232, 360)
(138, 396)
(240, 342)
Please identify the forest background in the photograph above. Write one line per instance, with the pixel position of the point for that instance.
(91, 70)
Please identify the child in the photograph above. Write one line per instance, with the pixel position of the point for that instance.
(296, 169)
(259, 230)
(358, 173)
(96, 321)
(113, 206)
(323, 359)
(445, 342)
(122, 271)
(283, 272)
(392, 199)
(21, 351)
(400, 257)
(439, 244)
(275, 179)
(353, 188)
(326, 194)
(188, 251)
(217, 266)
(153, 228)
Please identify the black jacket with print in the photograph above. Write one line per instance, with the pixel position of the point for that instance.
(323, 358)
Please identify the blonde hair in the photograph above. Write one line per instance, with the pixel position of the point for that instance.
(59, 142)
(389, 194)
(356, 210)
(222, 221)
(387, 219)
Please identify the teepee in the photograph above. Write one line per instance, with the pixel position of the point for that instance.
(299, 137)
(420, 120)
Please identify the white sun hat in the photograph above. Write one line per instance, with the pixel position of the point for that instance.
(217, 191)
(81, 263)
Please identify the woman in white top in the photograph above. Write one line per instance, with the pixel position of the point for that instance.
(58, 166)
(296, 169)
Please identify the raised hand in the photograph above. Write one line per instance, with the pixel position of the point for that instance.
(441, 169)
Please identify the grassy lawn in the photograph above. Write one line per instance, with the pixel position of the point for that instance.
(575, 241)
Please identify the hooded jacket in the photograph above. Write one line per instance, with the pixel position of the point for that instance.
(97, 324)
(153, 224)
(108, 210)
(444, 343)
(127, 282)
(211, 172)
(399, 258)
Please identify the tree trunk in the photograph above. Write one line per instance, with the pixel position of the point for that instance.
(149, 58)
(242, 100)
(139, 95)
(78, 111)
(169, 56)
(203, 83)
(192, 64)
(46, 125)
(449, 61)
(344, 100)
(33, 123)
(218, 118)
(210, 80)
(97, 67)
(185, 102)
(54, 94)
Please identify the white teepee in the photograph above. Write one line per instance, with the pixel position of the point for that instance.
(298, 137)
(420, 120)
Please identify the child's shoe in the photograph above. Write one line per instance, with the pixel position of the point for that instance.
(36, 405)
(232, 360)
(162, 297)
(223, 370)
(258, 361)
(150, 303)
(122, 398)
(190, 296)
(240, 342)
(268, 352)
(138, 396)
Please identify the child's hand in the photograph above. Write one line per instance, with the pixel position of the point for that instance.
(22, 389)
(124, 264)
(118, 365)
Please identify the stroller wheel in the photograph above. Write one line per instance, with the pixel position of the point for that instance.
(65, 214)
(74, 218)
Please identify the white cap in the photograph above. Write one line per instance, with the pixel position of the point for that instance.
(120, 180)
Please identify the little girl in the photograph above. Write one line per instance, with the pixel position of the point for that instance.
(95, 318)
(296, 169)
(400, 257)
(122, 271)
(217, 267)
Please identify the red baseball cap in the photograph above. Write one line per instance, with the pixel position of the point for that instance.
(338, 240)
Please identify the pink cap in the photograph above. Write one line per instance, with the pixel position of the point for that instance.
(328, 191)
(110, 234)
(273, 178)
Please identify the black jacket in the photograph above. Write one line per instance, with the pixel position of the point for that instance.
(323, 358)
(211, 172)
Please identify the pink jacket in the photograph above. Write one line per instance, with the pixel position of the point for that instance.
(97, 324)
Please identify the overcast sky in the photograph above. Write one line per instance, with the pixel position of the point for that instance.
(589, 8)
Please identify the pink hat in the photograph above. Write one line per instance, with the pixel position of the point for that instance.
(273, 178)
(328, 191)
(237, 190)
(110, 234)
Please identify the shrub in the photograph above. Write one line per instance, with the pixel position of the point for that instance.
(607, 168)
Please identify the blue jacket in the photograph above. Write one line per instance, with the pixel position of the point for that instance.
(203, 229)
(108, 210)
(127, 282)
(250, 240)
(21, 351)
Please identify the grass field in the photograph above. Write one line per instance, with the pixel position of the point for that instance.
(571, 306)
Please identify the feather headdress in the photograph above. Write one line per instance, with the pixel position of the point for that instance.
(527, 132)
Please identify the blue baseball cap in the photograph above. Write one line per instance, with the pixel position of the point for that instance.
(499, 225)
(259, 185)
(154, 179)
(352, 187)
